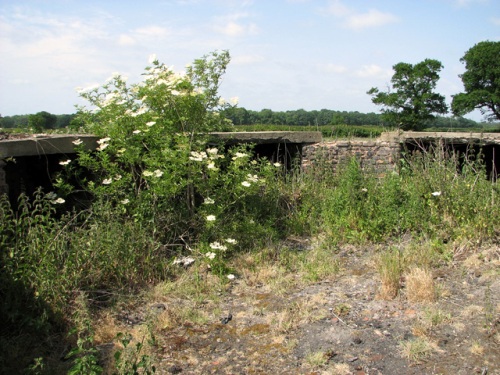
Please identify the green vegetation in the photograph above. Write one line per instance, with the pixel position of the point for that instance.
(172, 212)
(481, 81)
(412, 103)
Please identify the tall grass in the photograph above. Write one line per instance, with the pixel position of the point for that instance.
(432, 195)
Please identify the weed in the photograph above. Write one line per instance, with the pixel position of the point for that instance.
(316, 359)
(416, 350)
(131, 360)
(420, 285)
(390, 268)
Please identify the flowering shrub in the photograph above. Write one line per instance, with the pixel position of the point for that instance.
(156, 164)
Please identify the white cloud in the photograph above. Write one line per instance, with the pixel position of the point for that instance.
(126, 40)
(338, 9)
(152, 31)
(373, 70)
(353, 19)
(234, 29)
(372, 18)
(333, 68)
(234, 25)
(247, 59)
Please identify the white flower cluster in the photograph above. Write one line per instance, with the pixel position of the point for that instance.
(210, 155)
(156, 173)
(184, 261)
(251, 178)
(103, 143)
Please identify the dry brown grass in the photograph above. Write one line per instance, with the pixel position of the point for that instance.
(420, 286)
(389, 268)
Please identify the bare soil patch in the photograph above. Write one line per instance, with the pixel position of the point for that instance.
(270, 322)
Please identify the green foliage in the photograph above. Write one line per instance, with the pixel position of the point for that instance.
(328, 131)
(42, 120)
(433, 194)
(84, 355)
(481, 81)
(130, 360)
(413, 101)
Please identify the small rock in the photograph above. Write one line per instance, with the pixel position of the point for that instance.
(226, 319)
(175, 369)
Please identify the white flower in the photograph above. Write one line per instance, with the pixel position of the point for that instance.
(104, 140)
(102, 146)
(218, 246)
(198, 156)
(208, 201)
(246, 183)
(231, 276)
(152, 58)
(277, 165)
(211, 166)
(210, 255)
(175, 92)
(185, 261)
(147, 173)
(221, 101)
(211, 218)
(231, 241)
(150, 123)
(234, 100)
(212, 151)
(364, 190)
(436, 194)
(158, 173)
(252, 178)
(118, 177)
(58, 201)
(136, 131)
(239, 155)
(77, 142)
(65, 162)
(125, 201)
(107, 181)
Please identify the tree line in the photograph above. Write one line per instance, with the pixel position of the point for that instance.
(301, 117)
(241, 116)
(39, 121)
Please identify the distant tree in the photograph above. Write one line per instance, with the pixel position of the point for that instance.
(42, 120)
(413, 102)
(481, 81)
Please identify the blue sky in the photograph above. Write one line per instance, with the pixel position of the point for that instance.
(286, 54)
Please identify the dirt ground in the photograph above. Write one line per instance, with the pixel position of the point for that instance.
(340, 325)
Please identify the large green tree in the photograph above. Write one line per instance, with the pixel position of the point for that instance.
(481, 81)
(411, 102)
(42, 120)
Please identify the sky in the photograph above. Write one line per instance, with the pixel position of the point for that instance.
(285, 54)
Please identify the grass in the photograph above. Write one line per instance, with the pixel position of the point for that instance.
(416, 350)
(420, 285)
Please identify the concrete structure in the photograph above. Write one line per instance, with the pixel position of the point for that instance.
(27, 162)
(383, 154)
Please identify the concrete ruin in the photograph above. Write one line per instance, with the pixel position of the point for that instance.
(28, 162)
